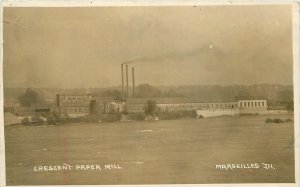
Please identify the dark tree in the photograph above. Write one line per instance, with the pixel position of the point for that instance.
(29, 97)
(150, 107)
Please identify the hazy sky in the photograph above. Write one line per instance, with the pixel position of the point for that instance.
(84, 47)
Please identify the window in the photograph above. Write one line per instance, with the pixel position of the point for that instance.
(75, 109)
(262, 103)
(79, 109)
(258, 103)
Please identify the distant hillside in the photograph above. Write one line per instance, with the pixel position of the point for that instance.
(271, 92)
(209, 92)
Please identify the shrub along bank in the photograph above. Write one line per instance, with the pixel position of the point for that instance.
(277, 120)
(106, 118)
(168, 115)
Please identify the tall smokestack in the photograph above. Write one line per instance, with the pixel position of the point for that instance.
(133, 85)
(122, 81)
(127, 95)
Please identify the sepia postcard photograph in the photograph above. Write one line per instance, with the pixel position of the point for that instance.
(143, 95)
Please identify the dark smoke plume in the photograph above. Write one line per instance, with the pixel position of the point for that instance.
(204, 50)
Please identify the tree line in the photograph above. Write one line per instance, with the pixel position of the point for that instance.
(274, 93)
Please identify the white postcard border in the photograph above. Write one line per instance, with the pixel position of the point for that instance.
(91, 3)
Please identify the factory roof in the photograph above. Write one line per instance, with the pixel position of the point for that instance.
(174, 100)
(170, 100)
(250, 98)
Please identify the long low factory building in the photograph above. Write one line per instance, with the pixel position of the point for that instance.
(242, 105)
